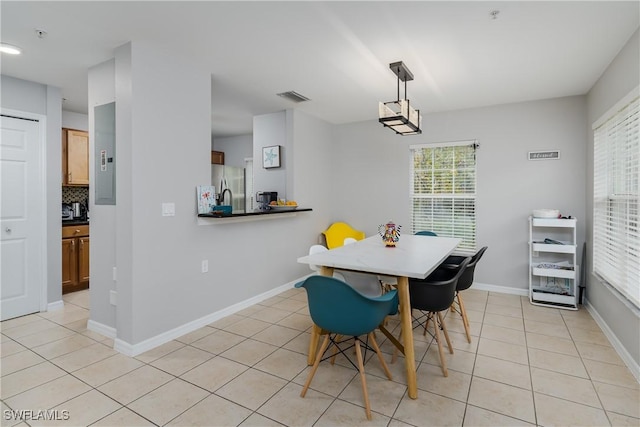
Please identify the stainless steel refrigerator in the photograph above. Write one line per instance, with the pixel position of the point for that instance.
(233, 178)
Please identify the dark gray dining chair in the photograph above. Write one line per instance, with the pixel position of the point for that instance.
(464, 283)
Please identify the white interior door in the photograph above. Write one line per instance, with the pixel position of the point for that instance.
(22, 216)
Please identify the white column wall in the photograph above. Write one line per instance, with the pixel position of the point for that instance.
(101, 81)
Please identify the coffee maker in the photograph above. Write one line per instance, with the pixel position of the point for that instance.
(264, 198)
(79, 210)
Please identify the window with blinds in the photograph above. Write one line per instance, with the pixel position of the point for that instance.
(443, 191)
(616, 196)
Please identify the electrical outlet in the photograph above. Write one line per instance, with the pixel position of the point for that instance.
(205, 266)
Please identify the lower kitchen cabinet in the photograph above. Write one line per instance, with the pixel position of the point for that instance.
(83, 260)
(75, 258)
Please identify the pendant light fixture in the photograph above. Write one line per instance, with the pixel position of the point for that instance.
(399, 115)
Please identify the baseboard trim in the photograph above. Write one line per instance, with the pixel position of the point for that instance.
(633, 366)
(131, 350)
(56, 305)
(500, 289)
(102, 329)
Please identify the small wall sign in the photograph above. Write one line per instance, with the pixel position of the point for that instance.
(271, 157)
(544, 155)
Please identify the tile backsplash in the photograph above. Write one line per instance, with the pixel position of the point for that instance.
(75, 194)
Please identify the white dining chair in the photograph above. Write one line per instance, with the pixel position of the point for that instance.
(383, 280)
(366, 284)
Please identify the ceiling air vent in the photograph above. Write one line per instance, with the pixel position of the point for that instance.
(293, 96)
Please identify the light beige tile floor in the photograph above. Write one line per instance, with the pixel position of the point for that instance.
(526, 365)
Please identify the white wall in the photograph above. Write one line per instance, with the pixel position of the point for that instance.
(371, 178)
(78, 121)
(268, 130)
(622, 75)
(235, 148)
(30, 97)
(311, 161)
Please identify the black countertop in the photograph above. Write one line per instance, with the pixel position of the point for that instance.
(75, 222)
(257, 213)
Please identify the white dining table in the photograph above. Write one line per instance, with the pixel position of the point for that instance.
(413, 256)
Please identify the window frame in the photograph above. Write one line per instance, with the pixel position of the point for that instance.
(459, 202)
(614, 245)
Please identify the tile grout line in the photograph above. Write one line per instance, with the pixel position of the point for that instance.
(291, 381)
(475, 359)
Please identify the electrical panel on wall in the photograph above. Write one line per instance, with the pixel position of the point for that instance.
(105, 154)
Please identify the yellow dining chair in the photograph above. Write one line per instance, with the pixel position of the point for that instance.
(338, 231)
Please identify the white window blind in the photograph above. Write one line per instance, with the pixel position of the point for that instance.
(616, 196)
(443, 191)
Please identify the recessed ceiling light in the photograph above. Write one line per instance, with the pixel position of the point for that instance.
(10, 49)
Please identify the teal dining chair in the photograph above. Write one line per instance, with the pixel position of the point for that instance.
(425, 233)
(344, 314)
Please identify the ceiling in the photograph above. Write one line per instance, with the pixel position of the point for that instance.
(335, 53)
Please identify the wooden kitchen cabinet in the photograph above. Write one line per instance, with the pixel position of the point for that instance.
(75, 157)
(83, 260)
(75, 258)
(217, 157)
(69, 264)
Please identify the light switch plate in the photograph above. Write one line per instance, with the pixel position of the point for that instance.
(168, 209)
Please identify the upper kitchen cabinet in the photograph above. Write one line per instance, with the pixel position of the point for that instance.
(217, 157)
(75, 157)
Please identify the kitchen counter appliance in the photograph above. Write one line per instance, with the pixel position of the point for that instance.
(264, 198)
(75, 211)
(67, 212)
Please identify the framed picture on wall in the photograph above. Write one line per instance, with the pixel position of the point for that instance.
(271, 157)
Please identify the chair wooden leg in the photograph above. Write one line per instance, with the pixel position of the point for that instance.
(372, 337)
(465, 319)
(453, 304)
(367, 407)
(323, 348)
(313, 344)
(443, 361)
(446, 334)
